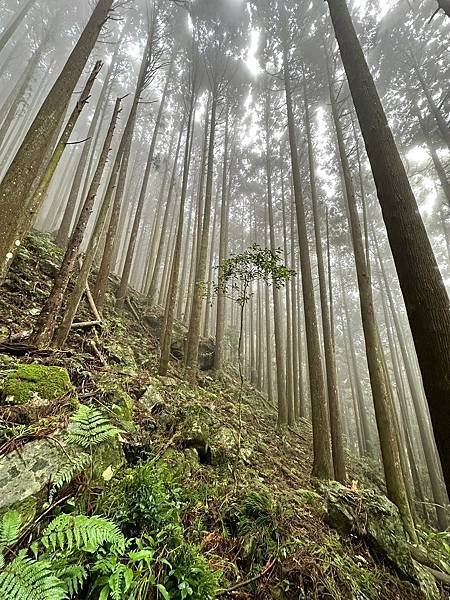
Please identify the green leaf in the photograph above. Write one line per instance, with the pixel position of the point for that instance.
(162, 590)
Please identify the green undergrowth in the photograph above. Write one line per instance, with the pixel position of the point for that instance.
(159, 499)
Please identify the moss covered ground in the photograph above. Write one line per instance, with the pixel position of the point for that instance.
(225, 515)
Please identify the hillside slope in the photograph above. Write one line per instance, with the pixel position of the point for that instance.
(217, 502)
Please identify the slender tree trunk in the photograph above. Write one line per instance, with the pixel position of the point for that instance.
(193, 337)
(223, 247)
(337, 445)
(208, 298)
(123, 157)
(423, 289)
(368, 444)
(278, 325)
(46, 322)
(323, 462)
(269, 346)
(153, 287)
(30, 162)
(296, 355)
(169, 313)
(186, 255)
(123, 286)
(390, 452)
(64, 228)
(156, 226)
(288, 342)
(422, 419)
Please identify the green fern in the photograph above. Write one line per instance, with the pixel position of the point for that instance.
(88, 427)
(27, 579)
(67, 472)
(73, 578)
(68, 533)
(10, 528)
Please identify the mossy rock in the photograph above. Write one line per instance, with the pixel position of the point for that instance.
(116, 397)
(376, 520)
(29, 381)
(224, 446)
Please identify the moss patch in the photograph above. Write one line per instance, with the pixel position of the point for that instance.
(26, 381)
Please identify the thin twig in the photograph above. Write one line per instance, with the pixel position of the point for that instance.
(242, 584)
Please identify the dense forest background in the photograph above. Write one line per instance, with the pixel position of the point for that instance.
(272, 179)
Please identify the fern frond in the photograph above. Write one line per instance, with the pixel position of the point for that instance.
(68, 533)
(120, 581)
(88, 427)
(73, 578)
(27, 579)
(10, 527)
(67, 472)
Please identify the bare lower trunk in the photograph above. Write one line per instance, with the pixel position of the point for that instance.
(323, 463)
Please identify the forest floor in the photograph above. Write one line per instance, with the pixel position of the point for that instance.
(245, 498)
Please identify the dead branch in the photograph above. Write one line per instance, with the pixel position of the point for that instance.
(85, 324)
(242, 584)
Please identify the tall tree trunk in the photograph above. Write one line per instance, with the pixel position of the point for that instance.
(47, 319)
(169, 313)
(223, 248)
(368, 443)
(209, 283)
(154, 278)
(423, 289)
(277, 318)
(323, 462)
(123, 157)
(30, 161)
(422, 418)
(296, 354)
(186, 255)
(40, 194)
(337, 445)
(384, 414)
(193, 336)
(123, 286)
(288, 341)
(64, 228)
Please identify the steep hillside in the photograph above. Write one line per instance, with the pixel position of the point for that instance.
(137, 486)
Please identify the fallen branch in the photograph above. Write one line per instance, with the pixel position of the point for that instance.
(85, 324)
(299, 435)
(97, 352)
(429, 565)
(92, 303)
(133, 310)
(242, 584)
